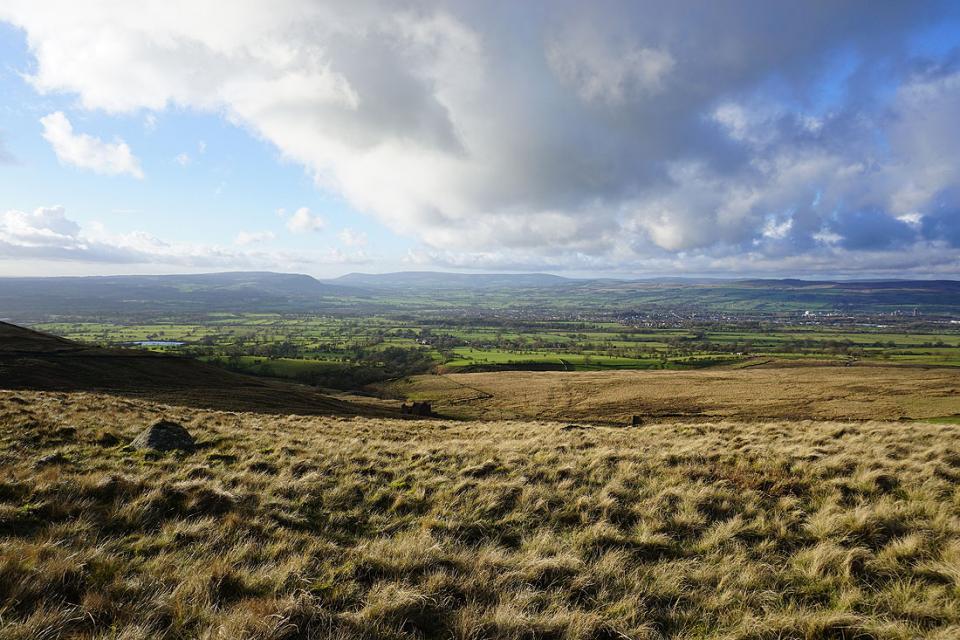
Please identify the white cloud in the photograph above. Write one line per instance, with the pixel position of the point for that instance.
(352, 238)
(87, 152)
(48, 235)
(827, 237)
(245, 238)
(777, 230)
(302, 221)
(43, 227)
(182, 159)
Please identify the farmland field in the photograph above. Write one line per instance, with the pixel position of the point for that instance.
(318, 348)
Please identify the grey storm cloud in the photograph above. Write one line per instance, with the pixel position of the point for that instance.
(872, 230)
(627, 134)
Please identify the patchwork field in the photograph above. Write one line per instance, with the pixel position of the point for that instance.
(755, 393)
(315, 527)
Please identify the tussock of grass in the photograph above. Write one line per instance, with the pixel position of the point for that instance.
(308, 527)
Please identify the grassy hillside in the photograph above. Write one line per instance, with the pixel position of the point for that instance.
(765, 391)
(33, 360)
(310, 527)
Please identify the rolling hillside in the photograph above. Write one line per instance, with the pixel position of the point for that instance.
(32, 300)
(307, 527)
(39, 361)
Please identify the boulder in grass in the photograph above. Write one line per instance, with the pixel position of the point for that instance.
(107, 439)
(52, 459)
(165, 436)
(417, 409)
(66, 433)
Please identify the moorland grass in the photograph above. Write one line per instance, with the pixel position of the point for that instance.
(312, 527)
(768, 391)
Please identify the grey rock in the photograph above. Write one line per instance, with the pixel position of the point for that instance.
(165, 436)
(107, 439)
(52, 459)
(417, 409)
(67, 433)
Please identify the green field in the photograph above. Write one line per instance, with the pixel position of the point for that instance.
(346, 351)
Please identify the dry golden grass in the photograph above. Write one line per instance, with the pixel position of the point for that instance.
(761, 393)
(309, 527)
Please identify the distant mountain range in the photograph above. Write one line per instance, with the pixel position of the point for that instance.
(230, 291)
(439, 280)
(34, 299)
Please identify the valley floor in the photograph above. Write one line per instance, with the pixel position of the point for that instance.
(314, 527)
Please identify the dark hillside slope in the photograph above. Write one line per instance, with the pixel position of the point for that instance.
(38, 361)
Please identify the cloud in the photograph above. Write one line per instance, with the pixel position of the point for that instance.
(623, 133)
(46, 226)
(47, 234)
(777, 230)
(302, 221)
(584, 60)
(872, 230)
(87, 152)
(351, 238)
(182, 159)
(245, 238)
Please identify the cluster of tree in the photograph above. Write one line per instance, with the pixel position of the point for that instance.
(367, 367)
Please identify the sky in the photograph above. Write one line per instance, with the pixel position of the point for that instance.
(627, 139)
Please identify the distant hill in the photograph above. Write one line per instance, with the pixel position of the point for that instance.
(36, 300)
(778, 296)
(24, 298)
(38, 361)
(442, 280)
(939, 286)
